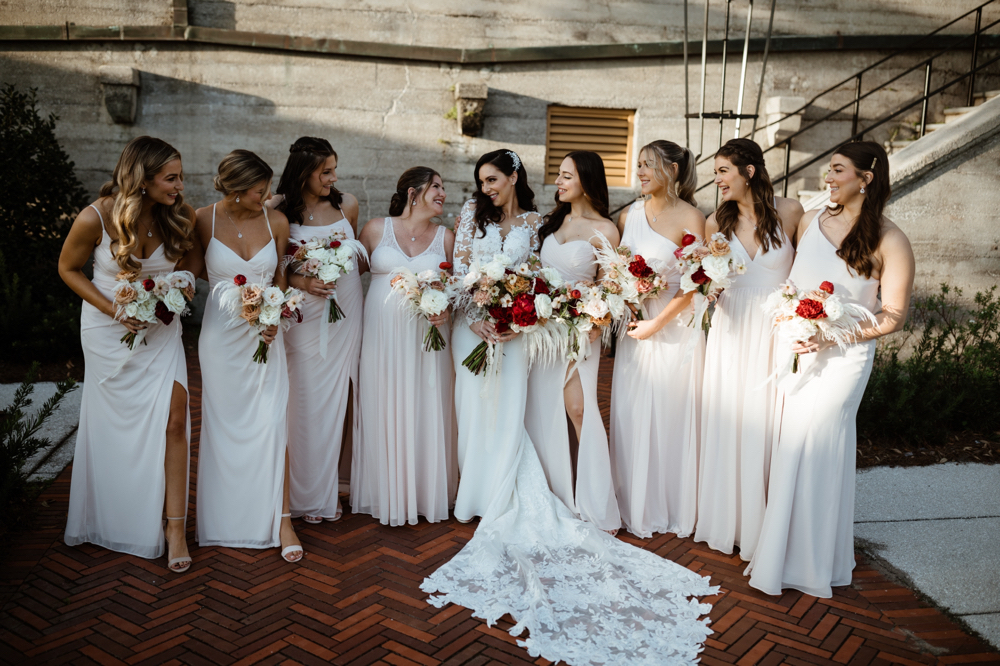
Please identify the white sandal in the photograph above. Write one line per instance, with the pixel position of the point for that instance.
(184, 561)
(291, 550)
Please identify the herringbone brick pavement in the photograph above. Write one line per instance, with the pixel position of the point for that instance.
(355, 599)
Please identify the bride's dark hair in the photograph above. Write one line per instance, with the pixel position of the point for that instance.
(504, 160)
(304, 156)
(590, 171)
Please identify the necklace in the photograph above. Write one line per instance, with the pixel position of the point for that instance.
(239, 230)
(149, 232)
(311, 211)
(660, 212)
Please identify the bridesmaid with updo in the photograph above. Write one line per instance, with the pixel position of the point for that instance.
(322, 355)
(131, 460)
(242, 462)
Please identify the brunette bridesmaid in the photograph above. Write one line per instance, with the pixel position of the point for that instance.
(131, 459)
(242, 461)
(656, 386)
(737, 407)
(556, 391)
(807, 539)
(322, 355)
(404, 464)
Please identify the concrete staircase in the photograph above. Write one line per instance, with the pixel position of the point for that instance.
(962, 127)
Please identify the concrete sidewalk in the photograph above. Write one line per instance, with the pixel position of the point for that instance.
(60, 429)
(939, 527)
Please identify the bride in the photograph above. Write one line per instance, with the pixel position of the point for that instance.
(584, 596)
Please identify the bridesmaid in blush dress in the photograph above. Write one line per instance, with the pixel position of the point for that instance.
(555, 391)
(807, 539)
(131, 459)
(404, 462)
(242, 461)
(322, 356)
(656, 386)
(736, 407)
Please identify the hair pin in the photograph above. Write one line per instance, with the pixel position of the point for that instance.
(874, 160)
(515, 159)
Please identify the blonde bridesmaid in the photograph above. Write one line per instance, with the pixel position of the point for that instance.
(404, 465)
(736, 407)
(656, 386)
(556, 391)
(322, 355)
(131, 459)
(807, 539)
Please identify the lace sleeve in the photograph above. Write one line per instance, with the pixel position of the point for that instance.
(534, 223)
(465, 231)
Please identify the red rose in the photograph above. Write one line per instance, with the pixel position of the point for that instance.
(575, 294)
(523, 310)
(638, 267)
(810, 309)
(148, 284)
(291, 249)
(163, 314)
(699, 277)
(540, 286)
(500, 314)
(678, 252)
(827, 287)
(240, 280)
(288, 313)
(574, 312)
(688, 239)
(502, 327)
(508, 271)
(445, 266)
(335, 244)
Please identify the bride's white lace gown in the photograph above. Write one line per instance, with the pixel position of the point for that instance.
(584, 596)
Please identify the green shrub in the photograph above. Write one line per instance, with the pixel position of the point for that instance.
(40, 198)
(940, 375)
(18, 443)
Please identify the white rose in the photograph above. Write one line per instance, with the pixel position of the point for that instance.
(269, 315)
(433, 302)
(427, 276)
(716, 268)
(472, 277)
(132, 309)
(344, 253)
(629, 291)
(834, 308)
(317, 253)
(141, 295)
(328, 273)
(543, 306)
(616, 304)
(494, 270)
(552, 276)
(687, 284)
(175, 301)
(273, 296)
(146, 310)
(798, 329)
(596, 308)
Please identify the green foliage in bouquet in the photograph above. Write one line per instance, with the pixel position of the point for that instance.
(940, 375)
(38, 313)
(19, 441)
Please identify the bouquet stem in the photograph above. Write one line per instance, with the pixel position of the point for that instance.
(433, 340)
(476, 361)
(129, 339)
(795, 364)
(260, 356)
(336, 314)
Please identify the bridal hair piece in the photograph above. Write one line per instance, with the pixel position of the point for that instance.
(874, 162)
(515, 159)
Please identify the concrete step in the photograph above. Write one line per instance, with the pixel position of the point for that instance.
(980, 97)
(951, 115)
(895, 146)
(806, 195)
(933, 126)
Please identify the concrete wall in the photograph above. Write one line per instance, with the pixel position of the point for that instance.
(86, 12)
(951, 218)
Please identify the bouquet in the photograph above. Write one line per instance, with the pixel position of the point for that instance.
(157, 298)
(706, 268)
(428, 294)
(325, 259)
(513, 299)
(627, 275)
(582, 306)
(800, 315)
(260, 306)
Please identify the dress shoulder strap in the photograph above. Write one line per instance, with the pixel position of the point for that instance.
(437, 245)
(268, 223)
(388, 235)
(213, 219)
(101, 218)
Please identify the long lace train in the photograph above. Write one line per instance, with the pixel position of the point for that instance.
(584, 596)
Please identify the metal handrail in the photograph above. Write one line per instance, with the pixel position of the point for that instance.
(857, 75)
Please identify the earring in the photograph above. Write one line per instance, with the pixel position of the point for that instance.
(414, 203)
(862, 190)
(237, 198)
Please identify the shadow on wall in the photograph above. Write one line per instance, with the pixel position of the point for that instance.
(212, 14)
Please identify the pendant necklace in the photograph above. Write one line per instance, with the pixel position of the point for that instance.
(311, 212)
(149, 232)
(239, 230)
(669, 205)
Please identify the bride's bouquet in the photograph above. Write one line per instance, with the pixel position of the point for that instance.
(325, 259)
(799, 315)
(260, 306)
(156, 298)
(628, 275)
(427, 294)
(513, 299)
(706, 269)
(581, 307)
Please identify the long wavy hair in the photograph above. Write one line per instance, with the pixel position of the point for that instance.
(419, 178)
(142, 159)
(862, 240)
(486, 211)
(743, 153)
(661, 155)
(590, 171)
(304, 156)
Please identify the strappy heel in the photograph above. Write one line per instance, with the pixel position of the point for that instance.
(291, 550)
(184, 562)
